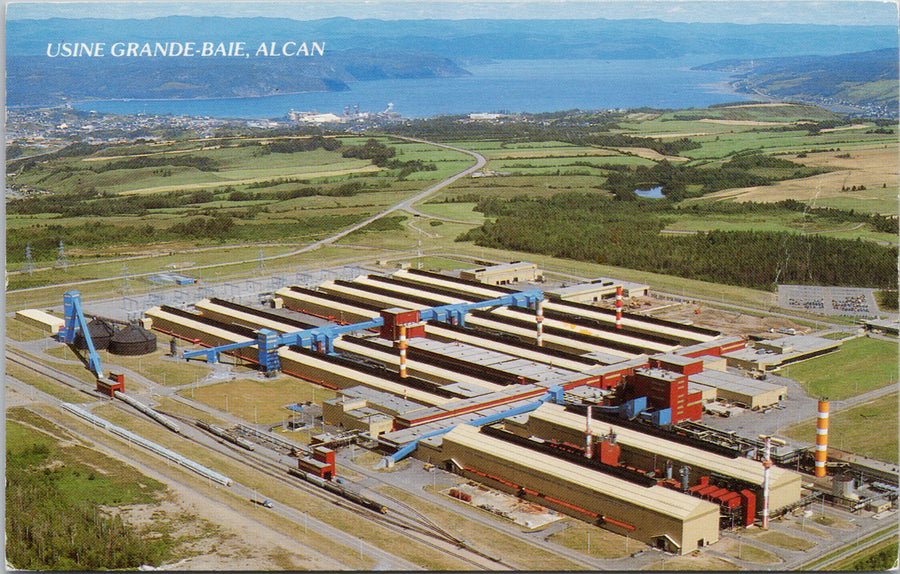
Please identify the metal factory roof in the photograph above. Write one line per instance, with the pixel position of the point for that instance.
(640, 361)
(507, 392)
(500, 267)
(547, 375)
(660, 499)
(600, 283)
(674, 359)
(717, 342)
(361, 377)
(784, 349)
(741, 468)
(885, 324)
(386, 401)
(735, 383)
(467, 390)
(589, 393)
(661, 374)
(606, 358)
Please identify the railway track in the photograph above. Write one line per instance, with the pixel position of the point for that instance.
(399, 516)
(52, 373)
(408, 520)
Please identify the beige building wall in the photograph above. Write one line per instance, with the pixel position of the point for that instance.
(502, 274)
(665, 517)
(784, 485)
(41, 320)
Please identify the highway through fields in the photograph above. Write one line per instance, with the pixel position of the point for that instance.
(405, 205)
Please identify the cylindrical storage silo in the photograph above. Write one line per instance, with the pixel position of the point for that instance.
(100, 331)
(843, 485)
(132, 340)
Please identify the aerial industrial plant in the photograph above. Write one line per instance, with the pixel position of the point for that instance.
(575, 399)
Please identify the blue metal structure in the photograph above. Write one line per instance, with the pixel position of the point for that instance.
(75, 320)
(323, 337)
(455, 313)
(554, 394)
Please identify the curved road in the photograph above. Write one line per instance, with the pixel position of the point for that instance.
(405, 205)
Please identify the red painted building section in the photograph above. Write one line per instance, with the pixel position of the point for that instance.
(667, 389)
(321, 463)
(677, 364)
(394, 317)
(109, 387)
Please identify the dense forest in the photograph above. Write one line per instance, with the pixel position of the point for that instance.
(627, 234)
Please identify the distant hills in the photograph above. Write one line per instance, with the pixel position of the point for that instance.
(362, 50)
(41, 81)
(862, 79)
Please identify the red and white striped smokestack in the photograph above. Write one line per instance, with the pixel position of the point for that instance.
(619, 307)
(767, 464)
(539, 319)
(401, 344)
(588, 437)
(822, 437)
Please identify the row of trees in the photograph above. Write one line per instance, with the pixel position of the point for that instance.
(588, 228)
(677, 179)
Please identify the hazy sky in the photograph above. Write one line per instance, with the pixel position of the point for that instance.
(737, 11)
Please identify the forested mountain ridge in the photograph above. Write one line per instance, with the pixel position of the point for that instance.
(361, 50)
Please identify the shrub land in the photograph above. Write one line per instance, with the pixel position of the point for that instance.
(53, 521)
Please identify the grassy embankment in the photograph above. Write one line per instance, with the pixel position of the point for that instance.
(860, 365)
(851, 430)
(55, 485)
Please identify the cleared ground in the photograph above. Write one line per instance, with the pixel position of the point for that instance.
(854, 430)
(860, 365)
(262, 401)
(874, 167)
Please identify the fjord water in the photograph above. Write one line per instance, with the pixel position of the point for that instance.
(504, 86)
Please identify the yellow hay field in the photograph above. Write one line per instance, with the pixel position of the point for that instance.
(872, 167)
(224, 182)
(743, 122)
(648, 153)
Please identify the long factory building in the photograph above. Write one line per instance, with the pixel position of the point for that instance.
(654, 514)
(649, 452)
(457, 374)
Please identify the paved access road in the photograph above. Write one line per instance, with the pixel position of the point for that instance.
(405, 205)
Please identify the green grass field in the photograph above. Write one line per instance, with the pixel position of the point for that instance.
(789, 221)
(852, 429)
(85, 474)
(860, 365)
(259, 400)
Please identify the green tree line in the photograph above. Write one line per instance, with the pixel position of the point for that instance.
(627, 234)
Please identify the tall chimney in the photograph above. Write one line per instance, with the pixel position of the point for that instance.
(822, 437)
(401, 344)
(588, 437)
(539, 319)
(619, 307)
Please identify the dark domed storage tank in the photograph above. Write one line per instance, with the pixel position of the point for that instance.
(101, 333)
(132, 340)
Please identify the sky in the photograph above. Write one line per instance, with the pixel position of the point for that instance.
(868, 12)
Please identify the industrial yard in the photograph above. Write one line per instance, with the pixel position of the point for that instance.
(345, 370)
(464, 411)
